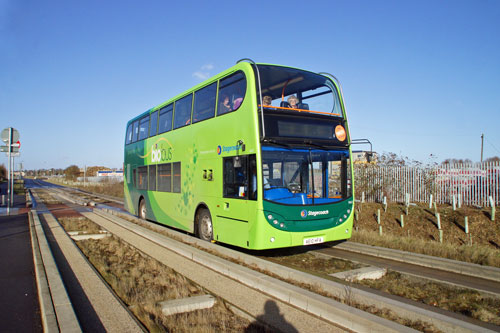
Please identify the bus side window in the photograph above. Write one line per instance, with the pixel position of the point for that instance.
(204, 103)
(144, 128)
(182, 111)
(233, 87)
(153, 124)
(165, 124)
(135, 132)
(129, 134)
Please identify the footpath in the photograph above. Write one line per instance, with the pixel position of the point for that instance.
(19, 305)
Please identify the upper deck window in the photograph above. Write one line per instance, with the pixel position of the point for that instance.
(292, 89)
(182, 113)
(135, 133)
(165, 124)
(144, 128)
(153, 124)
(231, 93)
(129, 134)
(204, 103)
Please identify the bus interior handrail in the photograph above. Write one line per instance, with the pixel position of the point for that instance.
(302, 110)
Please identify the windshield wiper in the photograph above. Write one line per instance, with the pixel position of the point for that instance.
(309, 142)
(274, 142)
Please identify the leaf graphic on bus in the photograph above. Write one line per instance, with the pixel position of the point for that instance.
(154, 144)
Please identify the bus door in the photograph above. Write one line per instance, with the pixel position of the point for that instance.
(238, 202)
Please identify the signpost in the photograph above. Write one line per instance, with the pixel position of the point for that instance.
(11, 138)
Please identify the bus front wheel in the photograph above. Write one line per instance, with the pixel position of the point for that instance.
(205, 231)
(142, 209)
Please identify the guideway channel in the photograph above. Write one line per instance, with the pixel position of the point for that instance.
(246, 289)
(365, 255)
(73, 287)
(290, 294)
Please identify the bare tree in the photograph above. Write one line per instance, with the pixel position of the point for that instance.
(72, 172)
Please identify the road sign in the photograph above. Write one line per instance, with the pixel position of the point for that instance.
(5, 149)
(5, 135)
(16, 144)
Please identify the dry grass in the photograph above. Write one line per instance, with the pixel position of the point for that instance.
(477, 254)
(464, 301)
(141, 282)
(79, 224)
(113, 189)
(420, 233)
(47, 198)
(308, 262)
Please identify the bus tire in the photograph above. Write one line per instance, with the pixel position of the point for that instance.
(142, 209)
(204, 225)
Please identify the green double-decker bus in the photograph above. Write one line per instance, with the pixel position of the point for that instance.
(257, 156)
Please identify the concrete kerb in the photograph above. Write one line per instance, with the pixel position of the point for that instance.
(187, 304)
(403, 310)
(474, 270)
(318, 305)
(47, 312)
(58, 313)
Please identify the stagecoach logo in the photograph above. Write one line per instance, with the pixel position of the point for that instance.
(304, 213)
(227, 149)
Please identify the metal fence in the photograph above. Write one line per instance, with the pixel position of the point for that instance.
(470, 184)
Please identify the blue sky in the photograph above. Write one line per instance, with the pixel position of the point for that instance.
(419, 77)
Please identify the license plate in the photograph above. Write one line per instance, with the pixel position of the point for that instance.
(314, 240)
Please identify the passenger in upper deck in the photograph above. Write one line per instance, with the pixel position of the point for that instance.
(225, 106)
(293, 101)
(266, 101)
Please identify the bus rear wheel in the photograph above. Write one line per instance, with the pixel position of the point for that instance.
(142, 209)
(204, 224)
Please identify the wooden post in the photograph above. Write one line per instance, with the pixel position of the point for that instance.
(363, 197)
(430, 202)
(402, 221)
(380, 230)
(466, 225)
(385, 204)
(435, 207)
(459, 200)
(356, 215)
(378, 216)
(454, 203)
(440, 236)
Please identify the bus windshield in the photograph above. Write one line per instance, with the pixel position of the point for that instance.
(297, 90)
(305, 176)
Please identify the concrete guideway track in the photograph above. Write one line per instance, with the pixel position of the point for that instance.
(95, 305)
(247, 295)
(422, 266)
(440, 320)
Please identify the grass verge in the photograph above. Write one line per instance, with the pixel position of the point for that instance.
(476, 254)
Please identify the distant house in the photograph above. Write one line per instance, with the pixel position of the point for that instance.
(361, 156)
